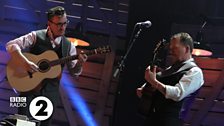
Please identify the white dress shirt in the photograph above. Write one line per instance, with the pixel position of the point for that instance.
(189, 83)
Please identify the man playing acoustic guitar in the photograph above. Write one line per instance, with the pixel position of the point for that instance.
(52, 38)
(175, 87)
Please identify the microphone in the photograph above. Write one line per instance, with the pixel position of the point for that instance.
(146, 24)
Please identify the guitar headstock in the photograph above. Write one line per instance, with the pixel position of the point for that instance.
(99, 50)
(159, 45)
(103, 49)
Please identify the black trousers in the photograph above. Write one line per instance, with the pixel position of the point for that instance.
(163, 120)
(49, 90)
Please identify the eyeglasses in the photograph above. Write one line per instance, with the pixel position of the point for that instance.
(60, 24)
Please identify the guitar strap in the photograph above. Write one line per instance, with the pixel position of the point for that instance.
(178, 68)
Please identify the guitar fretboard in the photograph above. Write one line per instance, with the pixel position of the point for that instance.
(70, 58)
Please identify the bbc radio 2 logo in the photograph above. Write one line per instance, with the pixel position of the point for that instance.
(41, 108)
(17, 102)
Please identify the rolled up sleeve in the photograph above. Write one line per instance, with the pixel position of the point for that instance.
(21, 42)
(74, 70)
(189, 83)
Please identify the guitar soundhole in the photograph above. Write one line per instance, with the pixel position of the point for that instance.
(44, 65)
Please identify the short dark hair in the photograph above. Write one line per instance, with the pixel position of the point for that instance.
(185, 39)
(55, 11)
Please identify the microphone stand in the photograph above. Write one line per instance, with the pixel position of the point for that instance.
(121, 65)
(120, 68)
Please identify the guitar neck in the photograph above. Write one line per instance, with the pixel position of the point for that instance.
(70, 58)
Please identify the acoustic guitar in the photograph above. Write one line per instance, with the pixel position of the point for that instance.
(49, 67)
(145, 103)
